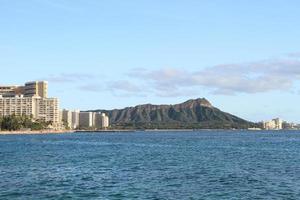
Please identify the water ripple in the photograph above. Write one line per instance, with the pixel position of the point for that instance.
(170, 165)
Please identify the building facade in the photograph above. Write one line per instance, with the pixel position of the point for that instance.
(274, 124)
(7, 91)
(36, 88)
(101, 120)
(70, 118)
(18, 105)
(104, 121)
(86, 120)
(46, 109)
(30, 89)
(30, 100)
(75, 119)
(67, 118)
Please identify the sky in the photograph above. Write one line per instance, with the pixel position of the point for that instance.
(243, 56)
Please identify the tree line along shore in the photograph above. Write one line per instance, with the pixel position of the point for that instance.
(22, 123)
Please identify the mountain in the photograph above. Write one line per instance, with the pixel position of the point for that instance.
(192, 114)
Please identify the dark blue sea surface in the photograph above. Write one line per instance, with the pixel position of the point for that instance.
(151, 165)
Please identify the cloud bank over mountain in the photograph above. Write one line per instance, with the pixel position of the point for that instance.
(277, 74)
(228, 79)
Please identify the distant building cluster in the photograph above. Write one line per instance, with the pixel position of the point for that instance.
(278, 124)
(290, 126)
(274, 124)
(31, 99)
(84, 120)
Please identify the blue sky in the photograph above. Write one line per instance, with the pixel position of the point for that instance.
(243, 56)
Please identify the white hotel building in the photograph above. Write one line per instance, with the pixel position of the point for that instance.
(274, 124)
(85, 120)
(30, 100)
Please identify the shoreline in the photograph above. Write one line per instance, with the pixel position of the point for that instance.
(35, 132)
(118, 130)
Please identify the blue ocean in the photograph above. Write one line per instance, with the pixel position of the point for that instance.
(151, 165)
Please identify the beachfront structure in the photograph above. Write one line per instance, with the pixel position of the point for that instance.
(101, 120)
(30, 89)
(104, 121)
(46, 109)
(85, 120)
(66, 117)
(30, 100)
(75, 119)
(274, 124)
(70, 119)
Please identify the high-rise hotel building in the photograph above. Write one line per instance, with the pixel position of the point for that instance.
(30, 100)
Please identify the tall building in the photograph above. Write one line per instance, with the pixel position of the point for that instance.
(105, 121)
(97, 120)
(274, 124)
(278, 123)
(75, 119)
(101, 121)
(46, 109)
(67, 118)
(86, 120)
(70, 118)
(30, 100)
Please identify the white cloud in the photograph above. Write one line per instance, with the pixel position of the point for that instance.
(92, 87)
(123, 86)
(229, 79)
(69, 77)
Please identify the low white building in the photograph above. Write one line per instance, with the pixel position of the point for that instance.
(84, 120)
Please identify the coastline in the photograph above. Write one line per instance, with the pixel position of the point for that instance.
(120, 130)
(35, 132)
(24, 132)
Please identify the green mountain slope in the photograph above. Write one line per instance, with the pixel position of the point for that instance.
(192, 114)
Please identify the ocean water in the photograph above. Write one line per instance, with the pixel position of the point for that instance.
(151, 165)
